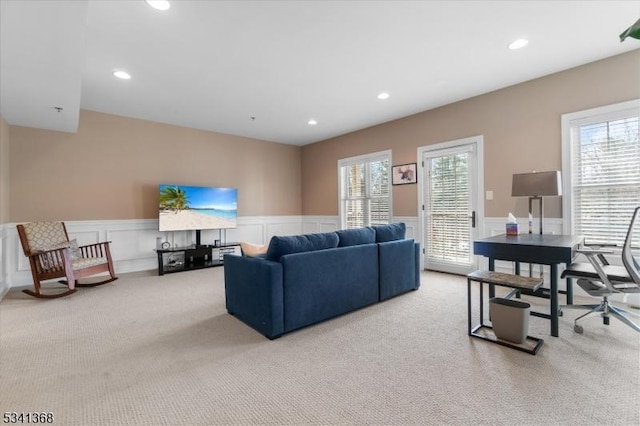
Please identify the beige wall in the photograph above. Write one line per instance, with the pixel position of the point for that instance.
(520, 125)
(4, 171)
(111, 168)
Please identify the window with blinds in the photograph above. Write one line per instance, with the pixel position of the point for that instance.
(605, 175)
(365, 190)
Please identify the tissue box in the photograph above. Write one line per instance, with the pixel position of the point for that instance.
(512, 229)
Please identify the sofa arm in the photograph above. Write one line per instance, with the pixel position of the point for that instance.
(418, 255)
(397, 268)
(254, 293)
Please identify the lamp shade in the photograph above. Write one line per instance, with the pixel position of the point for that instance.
(536, 184)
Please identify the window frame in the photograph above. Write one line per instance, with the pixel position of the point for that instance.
(570, 124)
(365, 158)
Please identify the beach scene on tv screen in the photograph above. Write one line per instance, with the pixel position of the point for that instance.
(195, 207)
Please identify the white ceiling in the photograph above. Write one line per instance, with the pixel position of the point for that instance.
(213, 65)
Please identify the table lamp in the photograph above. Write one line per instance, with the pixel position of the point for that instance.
(536, 185)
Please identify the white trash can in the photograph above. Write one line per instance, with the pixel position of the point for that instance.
(510, 319)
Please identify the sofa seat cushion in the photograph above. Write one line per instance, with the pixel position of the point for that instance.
(390, 232)
(280, 246)
(354, 237)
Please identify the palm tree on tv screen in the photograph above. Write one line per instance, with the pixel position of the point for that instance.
(173, 198)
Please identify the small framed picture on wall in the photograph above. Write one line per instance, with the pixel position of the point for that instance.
(404, 174)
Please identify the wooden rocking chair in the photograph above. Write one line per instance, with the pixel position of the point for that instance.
(52, 255)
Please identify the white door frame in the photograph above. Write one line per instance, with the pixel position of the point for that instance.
(478, 141)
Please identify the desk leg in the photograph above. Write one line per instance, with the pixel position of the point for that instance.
(469, 306)
(492, 288)
(517, 273)
(554, 299)
(481, 303)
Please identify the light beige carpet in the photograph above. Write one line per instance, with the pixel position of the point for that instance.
(149, 350)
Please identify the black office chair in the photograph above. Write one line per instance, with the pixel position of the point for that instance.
(600, 279)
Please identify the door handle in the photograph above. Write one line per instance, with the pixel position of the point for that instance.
(473, 219)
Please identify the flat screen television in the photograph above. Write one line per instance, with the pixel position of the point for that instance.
(184, 208)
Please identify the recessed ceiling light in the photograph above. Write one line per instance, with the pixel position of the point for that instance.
(312, 122)
(518, 44)
(383, 95)
(159, 4)
(122, 74)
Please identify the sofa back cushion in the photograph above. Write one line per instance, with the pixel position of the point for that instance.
(355, 237)
(391, 232)
(279, 246)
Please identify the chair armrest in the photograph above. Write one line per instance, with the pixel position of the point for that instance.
(598, 246)
(593, 256)
(52, 260)
(96, 249)
(593, 251)
(596, 252)
(41, 252)
(96, 244)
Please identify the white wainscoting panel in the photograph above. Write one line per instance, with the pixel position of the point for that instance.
(317, 224)
(411, 223)
(260, 229)
(4, 284)
(287, 225)
(133, 242)
(248, 232)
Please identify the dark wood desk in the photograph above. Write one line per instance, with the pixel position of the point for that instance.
(543, 249)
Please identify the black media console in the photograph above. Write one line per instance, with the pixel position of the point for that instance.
(193, 257)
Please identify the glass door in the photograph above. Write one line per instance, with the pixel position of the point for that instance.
(450, 213)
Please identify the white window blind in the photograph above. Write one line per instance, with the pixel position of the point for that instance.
(448, 207)
(365, 190)
(605, 175)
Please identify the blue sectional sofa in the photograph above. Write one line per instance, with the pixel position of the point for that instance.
(305, 279)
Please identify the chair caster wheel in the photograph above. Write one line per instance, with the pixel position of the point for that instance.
(605, 320)
(578, 329)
